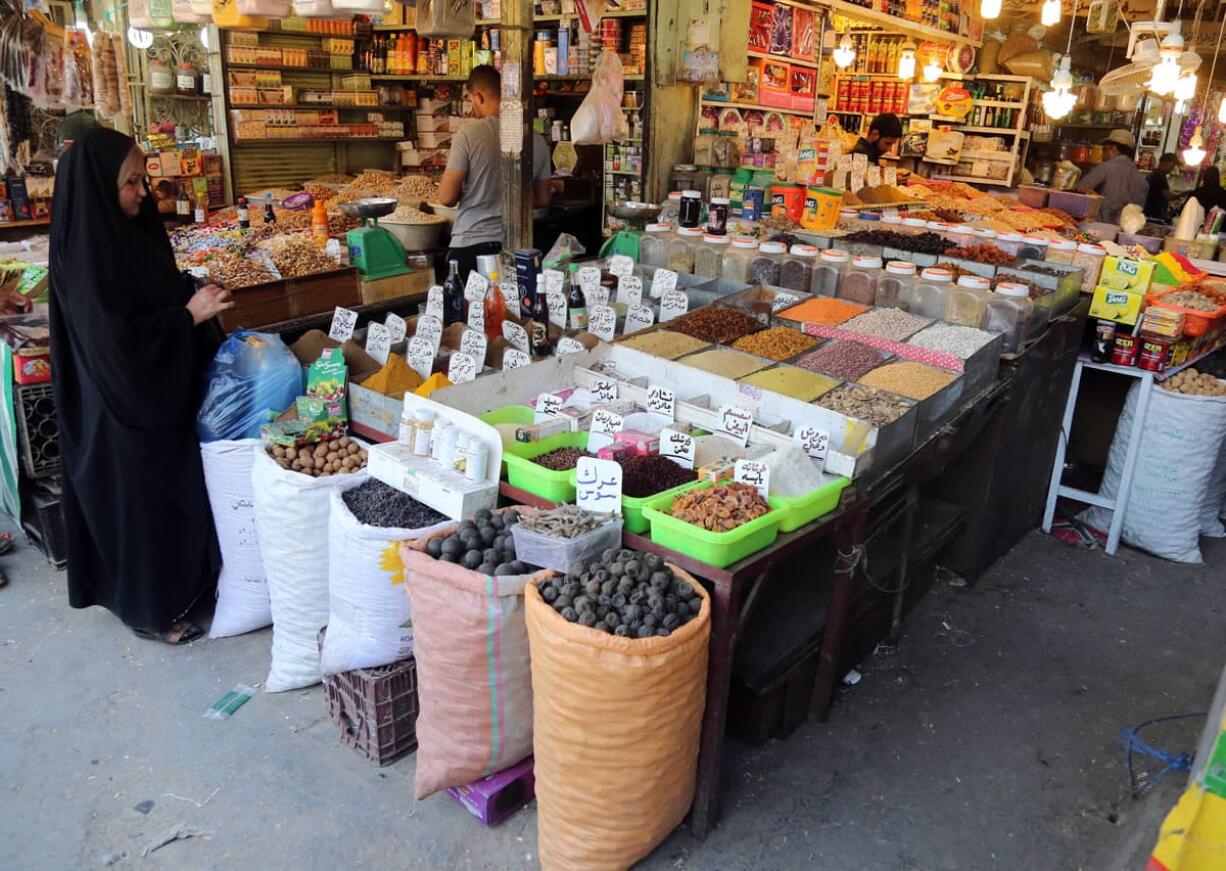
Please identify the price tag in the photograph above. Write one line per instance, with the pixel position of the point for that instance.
(567, 345)
(420, 355)
(476, 317)
(557, 308)
(461, 368)
(678, 447)
(396, 328)
(343, 322)
(630, 290)
(515, 335)
(510, 296)
(604, 390)
(639, 317)
(602, 322)
(553, 281)
(473, 344)
(475, 287)
(604, 424)
(734, 422)
(435, 294)
(434, 309)
(513, 358)
(378, 341)
(430, 328)
(589, 278)
(621, 264)
(782, 301)
(547, 405)
(661, 400)
(662, 282)
(814, 442)
(598, 295)
(673, 304)
(598, 485)
(754, 473)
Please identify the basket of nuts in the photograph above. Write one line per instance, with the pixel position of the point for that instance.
(717, 525)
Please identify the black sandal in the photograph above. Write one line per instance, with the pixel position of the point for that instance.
(6, 543)
(180, 632)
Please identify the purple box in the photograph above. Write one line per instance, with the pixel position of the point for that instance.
(492, 799)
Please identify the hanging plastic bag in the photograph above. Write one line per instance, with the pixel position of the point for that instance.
(600, 117)
(443, 17)
(1132, 218)
(1190, 219)
(566, 250)
(251, 375)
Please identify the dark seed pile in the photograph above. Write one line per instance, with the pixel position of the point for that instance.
(624, 593)
(923, 243)
(376, 504)
(483, 544)
(646, 476)
(560, 459)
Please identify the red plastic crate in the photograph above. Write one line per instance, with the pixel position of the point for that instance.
(375, 709)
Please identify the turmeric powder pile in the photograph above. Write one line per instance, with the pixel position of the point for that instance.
(394, 379)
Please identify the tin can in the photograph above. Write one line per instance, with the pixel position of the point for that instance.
(1104, 337)
(1155, 354)
(1124, 349)
(527, 268)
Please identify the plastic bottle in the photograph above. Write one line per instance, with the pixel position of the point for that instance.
(319, 224)
(895, 285)
(931, 292)
(860, 282)
(423, 431)
(1008, 312)
(735, 266)
(493, 309)
(967, 300)
(828, 273)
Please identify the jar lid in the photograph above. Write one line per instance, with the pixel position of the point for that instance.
(720, 201)
(675, 195)
(804, 250)
(1010, 237)
(1063, 245)
(684, 167)
(835, 255)
(937, 274)
(715, 240)
(963, 228)
(693, 194)
(984, 233)
(1017, 291)
(772, 248)
(689, 231)
(978, 282)
(865, 261)
(1091, 248)
(869, 216)
(743, 242)
(937, 225)
(913, 222)
(1035, 240)
(426, 415)
(848, 213)
(657, 228)
(891, 219)
(900, 267)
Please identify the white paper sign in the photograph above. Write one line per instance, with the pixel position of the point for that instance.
(476, 317)
(814, 442)
(547, 405)
(604, 390)
(476, 286)
(434, 309)
(734, 422)
(602, 322)
(557, 308)
(639, 317)
(755, 473)
(397, 328)
(430, 328)
(510, 296)
(553, 281)
(604, 424)
(598, 485)
(567, 345)
(473, 344)
(673, 304)
(598, 295)
(515, 335)
(461, 368)
(343, 322)
(678, 447)
(378, 341)
(420, 355)
(662, 282)
(513, 358)
(751, 397)
(630, 290)
(782, 301)
(661, 400)
(589, 278)
(621, 264)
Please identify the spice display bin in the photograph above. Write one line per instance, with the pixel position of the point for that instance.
(981, 368)
(537, 480)
(974, 267)
(1195, 321)
(632, 507)
(718, 549)
(920, 259)
(746, 298)
(1066, 288)
(799, 510)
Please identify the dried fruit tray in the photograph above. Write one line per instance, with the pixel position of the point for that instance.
(632, 507)
(799, 510)
(717, 549)
(536, 479)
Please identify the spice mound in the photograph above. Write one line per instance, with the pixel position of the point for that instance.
(664, 343)
(651, 474)
(793, 382)
(374, 503)
(865, 403)
(777, 343)
(565, 521)
(953, 339)
(483, 544)
(720, 509)
(395, 378)
(909, 379)
(338, 457)
(888, 323)
(624, 593)
(719, 325)
(823, 310)
(560, 459)
(845, 360)
(730, 364)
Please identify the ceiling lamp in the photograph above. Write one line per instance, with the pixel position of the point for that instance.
(906, 61)
(1221, 111)
(845, 54)
(1194, 154)
(1059, 101)
(989, 9)
(932, 69)
(1051, 13)
(1185, 88)
(1181, 106)
(1166, 74)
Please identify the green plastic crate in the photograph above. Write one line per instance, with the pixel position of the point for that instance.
(717, 549)
(517, 414)
(799, 510)
(537, 480)
(632, 507)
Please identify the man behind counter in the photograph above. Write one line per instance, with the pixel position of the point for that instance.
(473, 177)
(883, 135)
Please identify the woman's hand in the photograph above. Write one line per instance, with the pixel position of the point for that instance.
(208, 302)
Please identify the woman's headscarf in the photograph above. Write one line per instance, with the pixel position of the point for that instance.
(1211, 193)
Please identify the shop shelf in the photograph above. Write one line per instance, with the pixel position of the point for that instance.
(537, 480)
(717, 549)
(799, 510)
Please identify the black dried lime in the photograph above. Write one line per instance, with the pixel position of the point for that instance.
(650, 619)
(569, 614)
(585, 603)
(570, 589)
(563, 601)
(670, 621)
(632, 567)
(644, 631)
(486, 568)
(607, 588)
(483, 516)
(587, 618)
(661, 580)
(506, 569)
(592, 588)
(488, 534)
(696, 605)
(491, 556)
(664, 633)
(434, 547)
(621, 630)
(509, 518)
(618, 600)
(449, 558)
(617, 569)
(654, 562)
(608, 554)
(549, 593)
(633, 612)
(612, 619)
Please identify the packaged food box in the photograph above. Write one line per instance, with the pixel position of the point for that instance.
(1121, 306)
(1120, 273)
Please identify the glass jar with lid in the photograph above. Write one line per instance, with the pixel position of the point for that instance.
(691, 209)
(186, 83)
(681, 249)
(1061, 252)
(967, 300)
(1010, 243)
(682, 177)
(717, 216)
(796, 273)
(1009, 311)
(891, 222)
(740, 253)
(829, 271)
(161, 77)
(931, 293)
(709, 256)
(1090, 258)
(653, 245)
(1033, 248)
(860, 283)
(895, 285)
(765, 266)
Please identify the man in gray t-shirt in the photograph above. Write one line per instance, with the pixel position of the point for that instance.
(473, 177)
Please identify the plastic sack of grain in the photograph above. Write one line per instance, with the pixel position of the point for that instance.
(242, 587)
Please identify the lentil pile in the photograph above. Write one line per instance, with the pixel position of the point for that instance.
(720, 325)
(865, 403)
(665, 343)
(720, 509)
(565, 521)
(560, 459)
(730, 364)
(908, 379)
(374, 503)
(951, 338)
(624, 593)
(845, 360)
(652, 474)
(777, 343)
(793, 382)
(483, 544)
(892, 324)
(823, 310)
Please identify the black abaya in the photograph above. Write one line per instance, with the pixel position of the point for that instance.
(127, 363)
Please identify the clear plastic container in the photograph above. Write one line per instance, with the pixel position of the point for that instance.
(765, 266)
(797, 270)
(737, 258)
(681, 249)
(1010, 243)
(828, 273)
(967, 300)
(860, 282)
(566, 554)
(891, 222)
(914, 226)
(653, 245)
(1033, 248)
(961, 235)
(709, 256)
(895, 285)
(931, 293)
(1090, 258)
(1061, 252)
(1009, 312)
(671, 210)
(984, 236)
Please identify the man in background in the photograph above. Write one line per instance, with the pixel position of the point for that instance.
(883, 135)
(1158, 201)
(1117, 178)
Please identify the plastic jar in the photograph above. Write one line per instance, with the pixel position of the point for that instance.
(891, 222)
(691, 208)
(423, 431)
(720, 186)
(765, 266)
(914, 225)
(1062, 252)
(828, 273)
(653, 245)
(671, 210)
(797, 270)
(895, 285)
(961, 235)
(967, 300)
(717, 216)
(681, 249)
(1090, 258)
(682, 177)
(161, 77)
(185, 80)
(931, 293)
(709, 256)
(860, 282)
(1008, 312)
(1033, 248)
(1010, 243)
(735, 267)
(984, 236)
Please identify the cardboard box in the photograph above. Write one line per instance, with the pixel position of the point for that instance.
(1121, 306)
(153, 165)
(170, 163)
(1120, 273)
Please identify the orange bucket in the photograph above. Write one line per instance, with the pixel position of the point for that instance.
(821, 210)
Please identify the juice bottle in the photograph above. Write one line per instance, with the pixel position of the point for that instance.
(494, 309)
(319, 224)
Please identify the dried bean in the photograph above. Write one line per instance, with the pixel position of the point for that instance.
(922, 243)
(777, 343)
(865, 403)
(953, 339)
(716, 324)
(846, 360)
(891, 324)
(560, 459)
(374, 503)
(909, 379)
(646, 476)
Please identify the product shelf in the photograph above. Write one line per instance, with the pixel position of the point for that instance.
(757, 108)
(784, 57)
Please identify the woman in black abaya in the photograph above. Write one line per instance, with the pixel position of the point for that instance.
(128, 349)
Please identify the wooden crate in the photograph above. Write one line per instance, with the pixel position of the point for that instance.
(410, 285)
(289, 298)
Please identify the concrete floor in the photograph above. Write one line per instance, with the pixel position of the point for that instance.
(986, 741)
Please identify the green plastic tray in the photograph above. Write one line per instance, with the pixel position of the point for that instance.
(518, 414)
(799, 510)
(632, 507)
(537, 480)
(717, 549)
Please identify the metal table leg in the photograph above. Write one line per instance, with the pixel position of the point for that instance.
(848, 538)
(1066, 428)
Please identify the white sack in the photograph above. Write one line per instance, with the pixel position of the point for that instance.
(242, 588)
(1213, 510)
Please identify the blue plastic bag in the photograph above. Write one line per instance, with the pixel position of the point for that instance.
(253, 378)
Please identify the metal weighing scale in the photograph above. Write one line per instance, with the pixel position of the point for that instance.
(373, 250)
(638, 216)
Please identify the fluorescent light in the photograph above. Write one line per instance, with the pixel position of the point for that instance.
(845, 54)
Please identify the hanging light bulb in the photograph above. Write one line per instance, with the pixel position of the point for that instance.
(845, 54)
(932, 69)
(1185, 88)
(1059, 101)
(1194, 154)
(1221, 111)
(1166, 74)
(906, 61)
(1181, 106)
(141, 39)
(989, 9)
(1051, 13)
